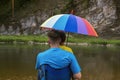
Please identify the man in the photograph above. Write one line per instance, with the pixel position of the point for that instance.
(58, 58)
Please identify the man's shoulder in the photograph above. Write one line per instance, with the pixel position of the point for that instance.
(44, 52)
(66, 48)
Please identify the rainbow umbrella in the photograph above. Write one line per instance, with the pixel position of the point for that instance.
(70, 23)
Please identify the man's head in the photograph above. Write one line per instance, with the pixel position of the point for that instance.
(54, 36)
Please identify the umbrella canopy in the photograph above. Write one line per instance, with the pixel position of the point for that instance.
(70, 23)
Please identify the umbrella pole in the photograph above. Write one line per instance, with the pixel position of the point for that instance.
(67, 38)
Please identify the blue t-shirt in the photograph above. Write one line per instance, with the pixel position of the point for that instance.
(58, 58)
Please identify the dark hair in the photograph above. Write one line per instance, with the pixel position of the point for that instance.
(54, 35)
(62, 36)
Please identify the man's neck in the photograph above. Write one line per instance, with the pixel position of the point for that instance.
(54, 45)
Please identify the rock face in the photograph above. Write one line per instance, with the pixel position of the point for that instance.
(102, 14)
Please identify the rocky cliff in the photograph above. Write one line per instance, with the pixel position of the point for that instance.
(102, 14)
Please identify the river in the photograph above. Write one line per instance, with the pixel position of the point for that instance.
(17, 62)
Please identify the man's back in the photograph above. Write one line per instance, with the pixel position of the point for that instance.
(55, 57)
(58, 58)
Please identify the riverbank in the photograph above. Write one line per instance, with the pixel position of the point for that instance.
(32, 39)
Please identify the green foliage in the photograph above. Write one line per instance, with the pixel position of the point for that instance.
(85, 3)
(5, 8)
(19, 8)
(93, 40)
(69, 6)
(42, 39)
(22, 38)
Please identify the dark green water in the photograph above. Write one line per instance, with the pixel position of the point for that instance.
(17, 62)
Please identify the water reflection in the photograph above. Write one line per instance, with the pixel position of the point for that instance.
(99, 63)
(17, 62)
